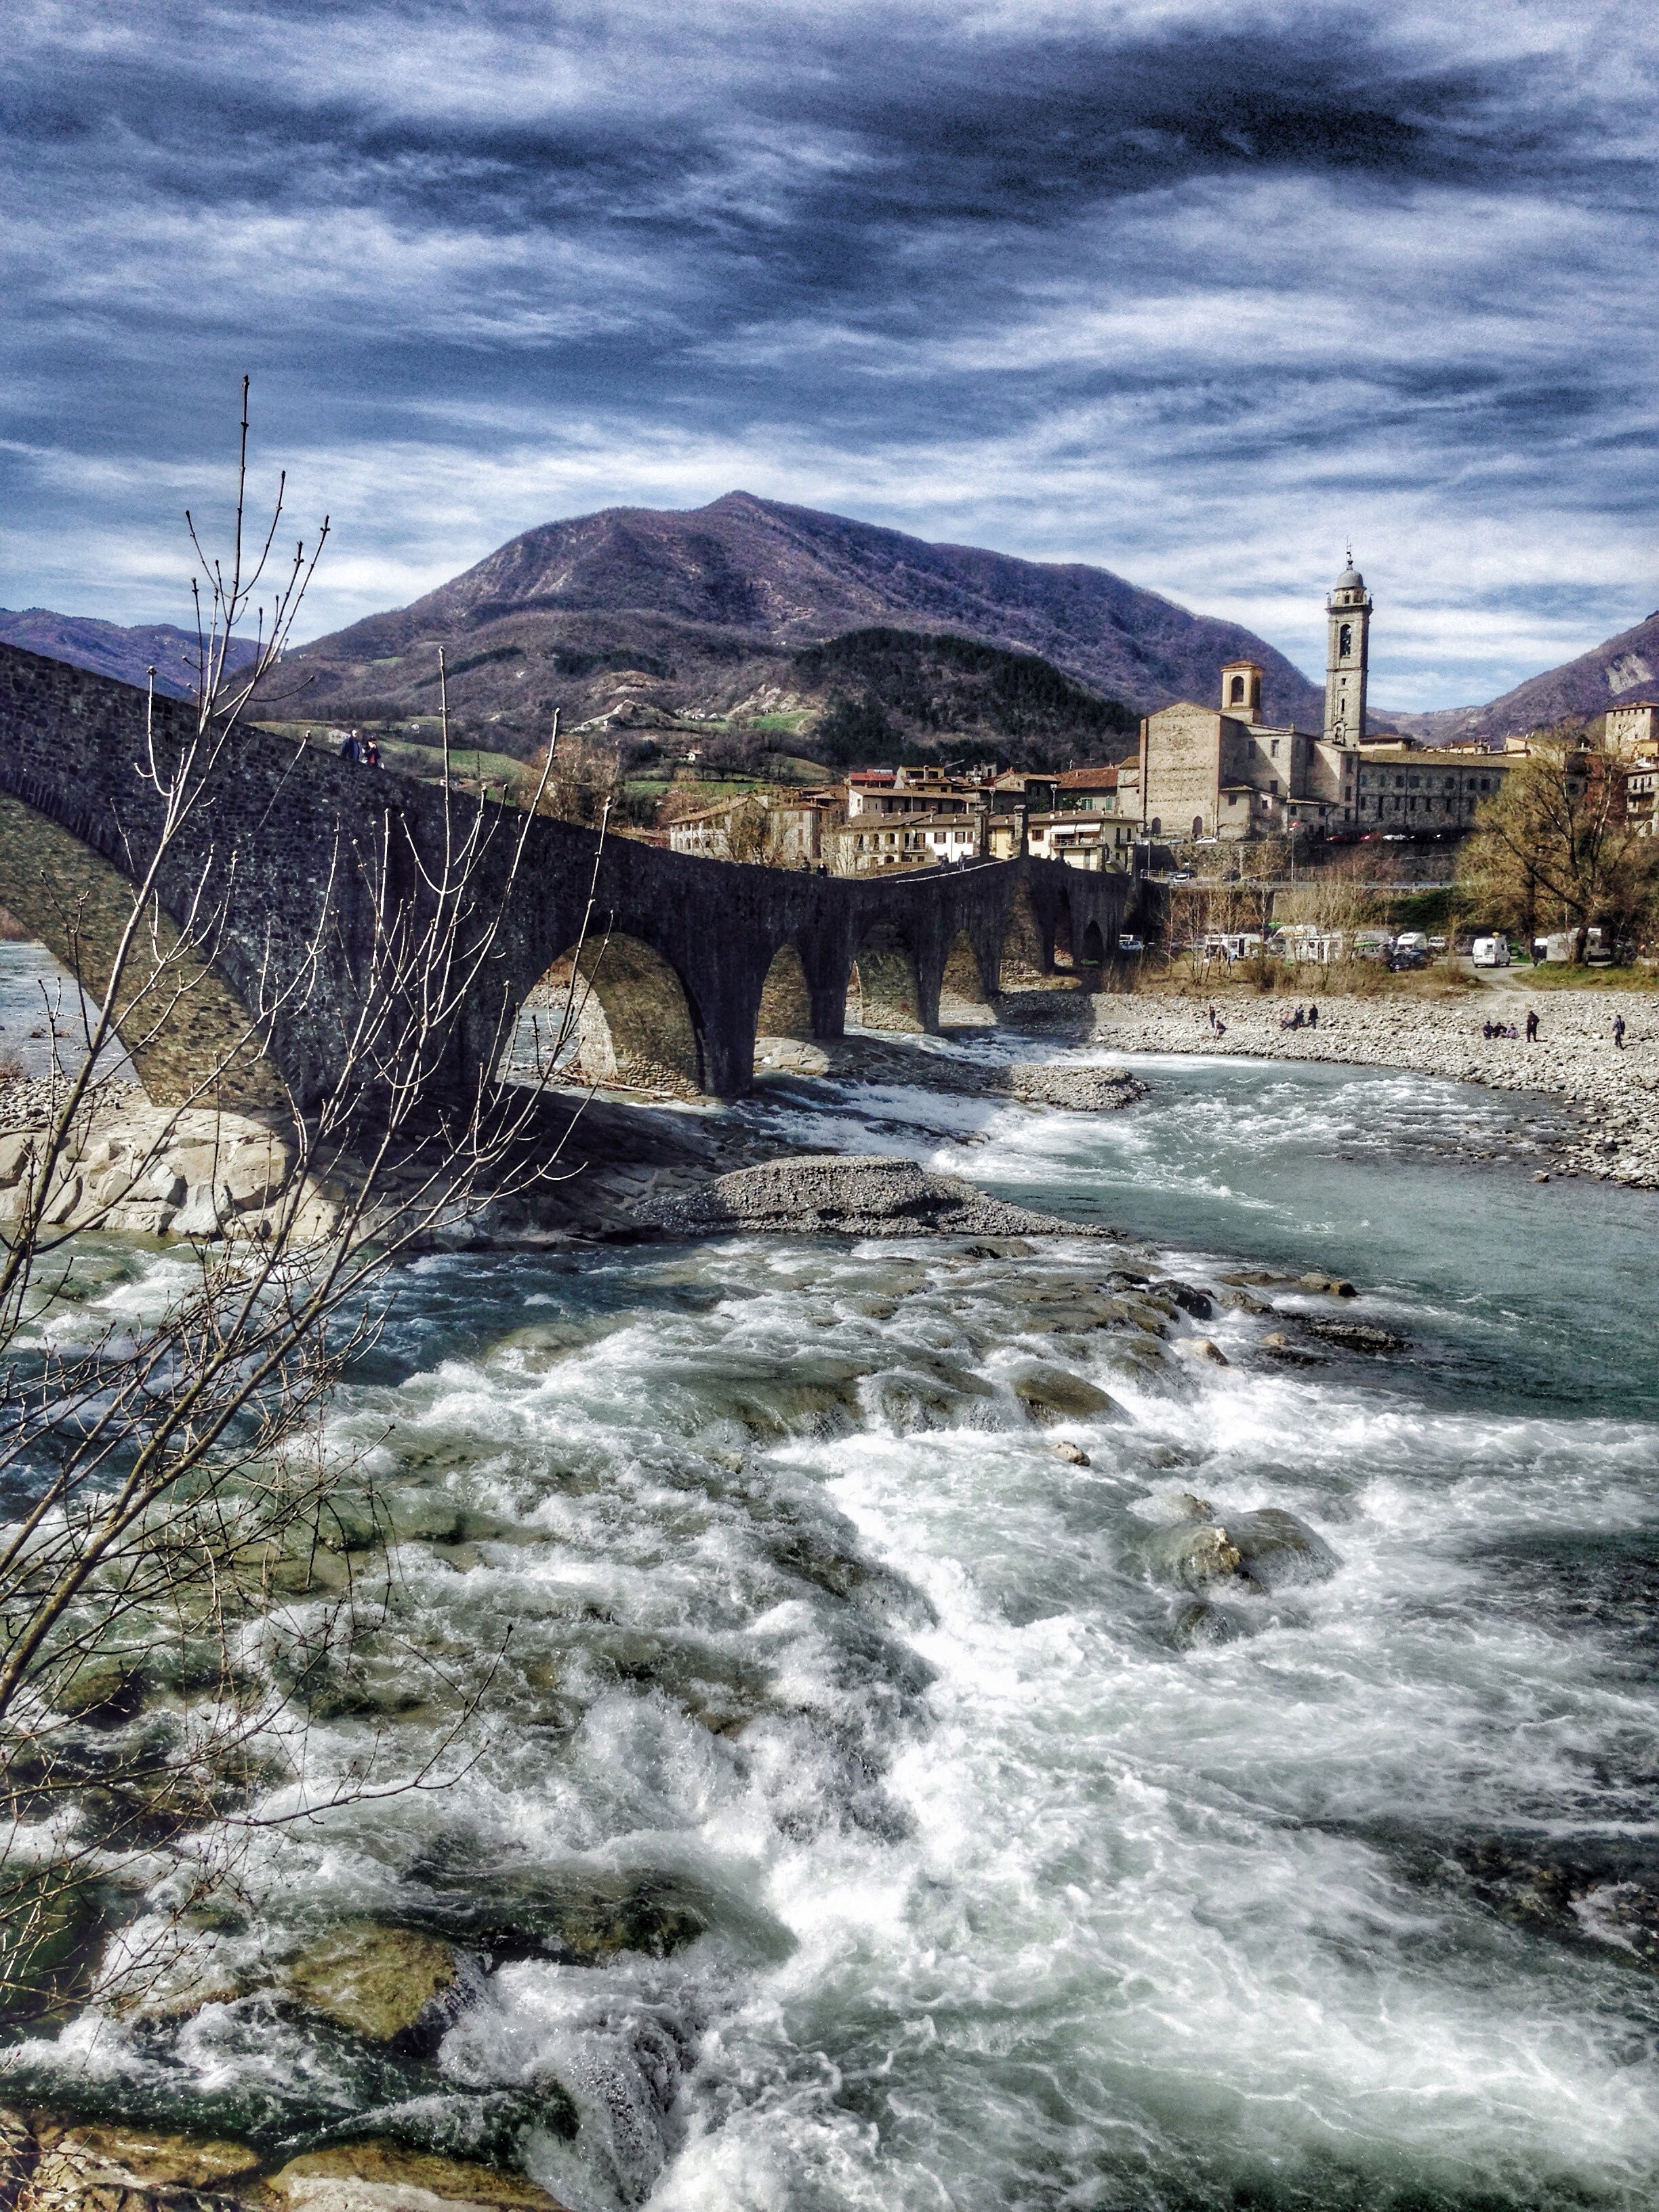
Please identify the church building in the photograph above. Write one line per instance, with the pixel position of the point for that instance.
(1225, 772)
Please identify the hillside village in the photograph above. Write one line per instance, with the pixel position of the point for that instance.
(1200, 775)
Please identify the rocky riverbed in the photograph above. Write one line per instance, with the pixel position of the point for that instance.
(1615, 1094)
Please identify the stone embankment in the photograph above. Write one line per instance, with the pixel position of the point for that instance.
(1615, 1093)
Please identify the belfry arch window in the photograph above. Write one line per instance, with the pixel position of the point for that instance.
(1345, 639)
(1237, 697)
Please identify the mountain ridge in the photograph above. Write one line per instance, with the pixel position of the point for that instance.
(127, 652)
(1612, 674)
(700, 608)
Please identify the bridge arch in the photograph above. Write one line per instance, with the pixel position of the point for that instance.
(186, 1029)
(1093, 954)
(884, 991)
(612, 1013)
(1024, 959)
(786, 1004)
(963, 996)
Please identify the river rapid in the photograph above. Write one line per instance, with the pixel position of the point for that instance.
(970, 1867)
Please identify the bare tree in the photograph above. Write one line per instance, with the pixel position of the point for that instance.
(181, 1517)
(1559, 842)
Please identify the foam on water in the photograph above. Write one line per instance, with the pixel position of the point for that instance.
(1014, 1893)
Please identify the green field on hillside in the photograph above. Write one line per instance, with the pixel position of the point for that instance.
(409, 758)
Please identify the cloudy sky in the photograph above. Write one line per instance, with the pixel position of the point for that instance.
(1190, 288)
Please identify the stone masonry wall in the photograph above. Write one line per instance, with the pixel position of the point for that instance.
(305, 851)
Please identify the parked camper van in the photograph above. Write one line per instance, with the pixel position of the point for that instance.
(1492, 952)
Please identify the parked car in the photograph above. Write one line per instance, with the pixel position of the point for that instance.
(1130, 945)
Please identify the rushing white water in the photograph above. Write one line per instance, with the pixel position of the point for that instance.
(1023, 1880)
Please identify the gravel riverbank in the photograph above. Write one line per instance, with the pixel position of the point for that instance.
(1616, 1093)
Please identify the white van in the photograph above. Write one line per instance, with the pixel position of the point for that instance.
(1492, 952)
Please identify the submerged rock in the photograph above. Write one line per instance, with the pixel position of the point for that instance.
(1277, 1548)
(377, 1981)
(1198, 1626)
(1193, 1557)
(1202, 1351)
(71, 2156)
(849, 1195)
(1263, 1550)
(1337, 1287)
(1051, 1393)
(1276, 1344)
(1353, 1335)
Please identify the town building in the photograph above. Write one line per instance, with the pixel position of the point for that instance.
(1101, 790)
(1416, 790)
(868, 844)
(1641, 795)
(1632, 730)
(1209, 773)
(1083, 837)
(777, 830)
(896, 793)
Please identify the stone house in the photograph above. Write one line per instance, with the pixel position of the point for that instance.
(1632, 730)
(870, 844)
(1083, 838)
(1414, 789)
(1114, 790)
(777, 831)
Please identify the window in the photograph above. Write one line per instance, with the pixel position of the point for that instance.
(1273, 787)
(1275, 748)
(1236, 692)
(1344, 641)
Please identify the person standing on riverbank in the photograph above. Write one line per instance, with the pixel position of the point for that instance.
(1532, 1026)
(1618, 1032)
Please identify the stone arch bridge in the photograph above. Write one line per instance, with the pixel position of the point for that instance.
(685, 961)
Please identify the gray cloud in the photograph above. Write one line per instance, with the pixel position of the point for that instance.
(1190, 290)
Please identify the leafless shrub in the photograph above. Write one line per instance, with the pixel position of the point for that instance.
(191, 1560)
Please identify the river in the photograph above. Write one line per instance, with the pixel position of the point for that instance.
(982, 1878)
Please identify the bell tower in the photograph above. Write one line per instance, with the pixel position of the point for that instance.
(1348, 655)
